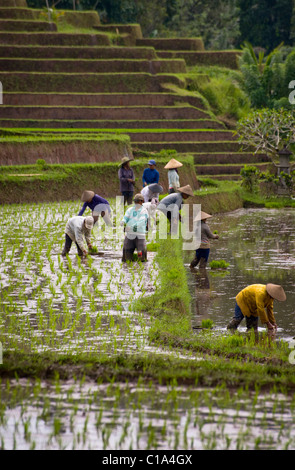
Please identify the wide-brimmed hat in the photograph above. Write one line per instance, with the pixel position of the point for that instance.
(155, 188)
(202, 216)
(173, 164)
(276, 292)
(152, 162)
(138, 197)
(89, 221)
(186, 190)
(125, 160)
(87, 195)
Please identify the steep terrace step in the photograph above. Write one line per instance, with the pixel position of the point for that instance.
(24, 25)
(96, 124)
(222, 58)
(17, 13)
(132, 31)
(225, 177)
(99, 99)
(188, 147)
(227, 157)
(54, 39)
(179, 136)
(86, 82)
(172, 44)
(116, 113)
(76, 52)
(93, 66)
(14, 3)
(226, 169)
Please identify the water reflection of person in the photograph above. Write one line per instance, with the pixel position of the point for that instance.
(202, 291)
(256, 301)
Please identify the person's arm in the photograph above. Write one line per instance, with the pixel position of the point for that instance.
(209, 233)
(88, 238)
(121, 176)
(132, 180)
(83, 209)
(144, 182)
(271, 316)
(158, 176)
(79, 239)
(260, 305)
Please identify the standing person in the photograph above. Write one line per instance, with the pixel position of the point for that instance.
(150, 175)
(151, 192)
(135, 223)
(202, 253)
(173, 177)
(97, 204)
(256, 301)
(171, 204)
(127, 180)
(76, 229)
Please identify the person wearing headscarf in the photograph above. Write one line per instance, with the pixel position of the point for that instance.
(150, 175)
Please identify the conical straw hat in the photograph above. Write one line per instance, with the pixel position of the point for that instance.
(202, 216)
(276, 292)
(186, 190)
(173, 164)
(87, 195)
(155, 188)
(125, 160)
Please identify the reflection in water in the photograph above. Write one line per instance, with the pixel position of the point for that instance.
(202, 293)
(259, 245)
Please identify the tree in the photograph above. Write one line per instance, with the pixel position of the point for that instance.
(266, 23)
(267, 130)
(216, 22)
(265, 77)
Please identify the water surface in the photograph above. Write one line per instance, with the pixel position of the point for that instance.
(259, 245)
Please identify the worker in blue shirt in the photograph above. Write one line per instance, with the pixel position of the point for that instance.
(150, 174)
(97, 204)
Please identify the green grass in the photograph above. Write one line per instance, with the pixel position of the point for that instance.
(218, 264)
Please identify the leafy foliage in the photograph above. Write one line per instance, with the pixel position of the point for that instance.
(266, 23)
(250, 176)
(267, 130)
(266, 78)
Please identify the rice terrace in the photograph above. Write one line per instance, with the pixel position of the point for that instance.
(123, 131)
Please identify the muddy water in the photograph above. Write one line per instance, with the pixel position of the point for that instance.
(49, 303)
(259, 245)
(132, 416)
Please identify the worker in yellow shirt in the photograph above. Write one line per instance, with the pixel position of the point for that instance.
(256, 301)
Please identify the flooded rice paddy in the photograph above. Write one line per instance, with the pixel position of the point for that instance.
(50, 303)
(259, 245)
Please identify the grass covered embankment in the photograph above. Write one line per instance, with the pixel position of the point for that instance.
(60, 182)
(223, 196)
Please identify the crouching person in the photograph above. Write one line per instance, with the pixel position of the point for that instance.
(256, 301)
(135, 223)
(78, 228)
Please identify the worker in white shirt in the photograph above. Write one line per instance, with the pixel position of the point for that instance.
(78, 228)
(151, 191)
